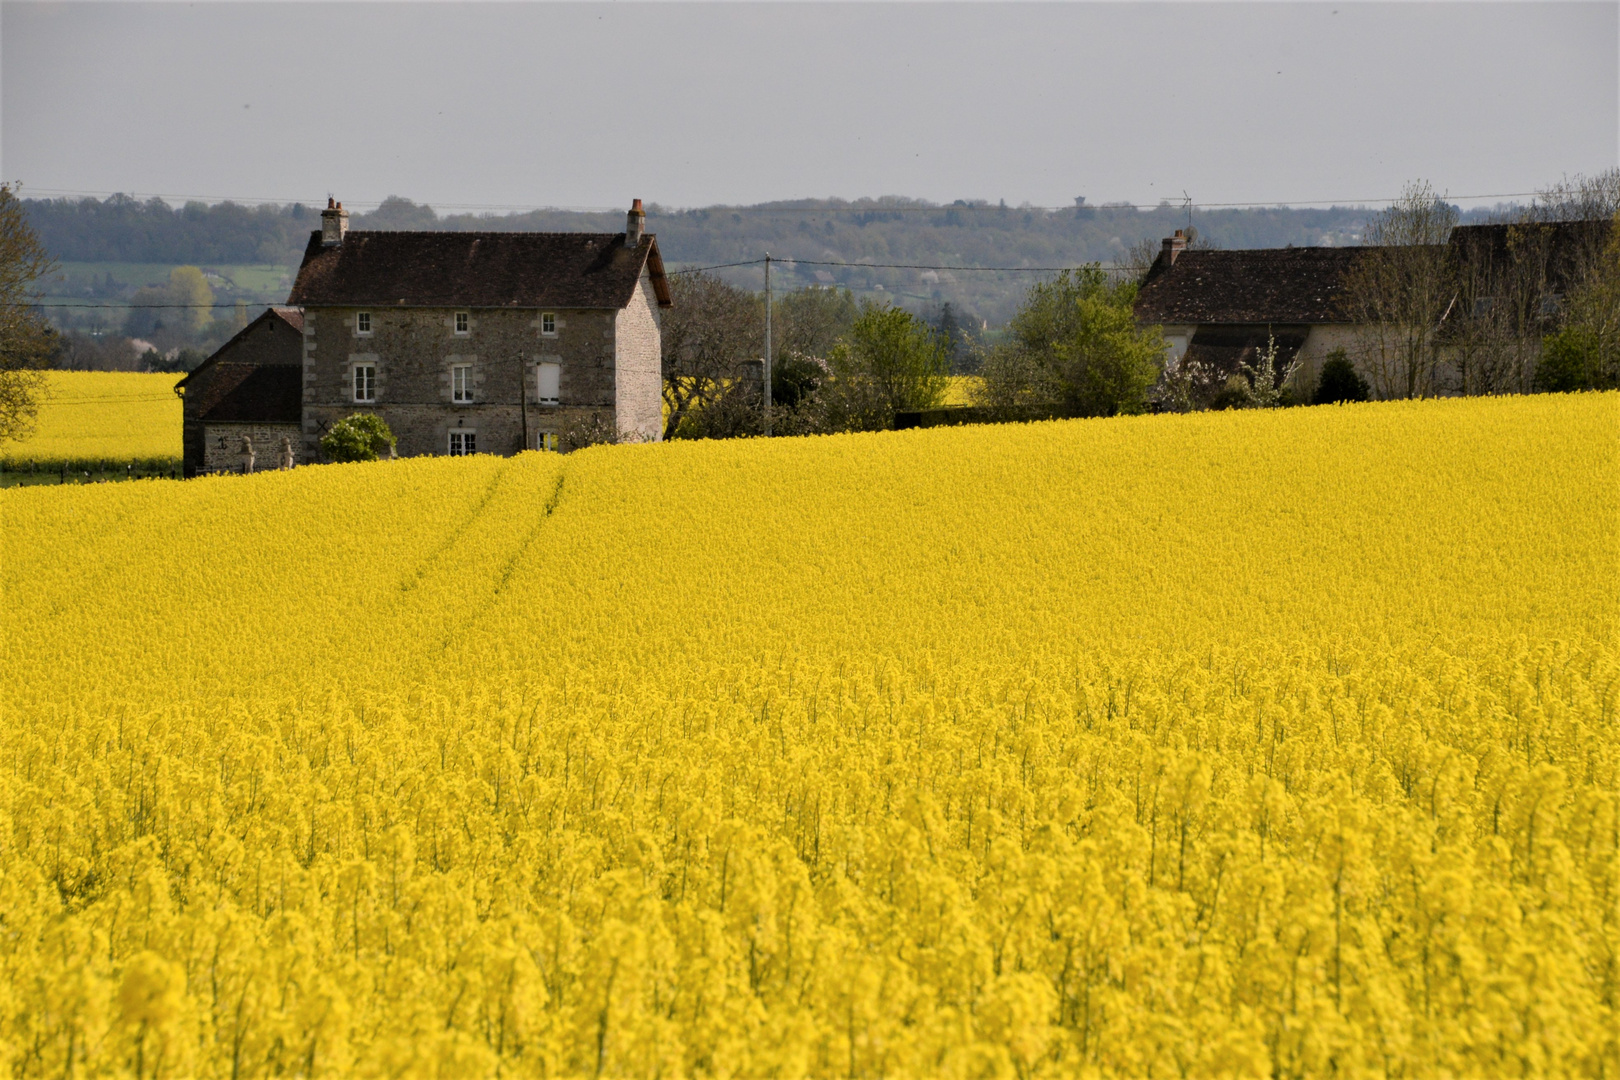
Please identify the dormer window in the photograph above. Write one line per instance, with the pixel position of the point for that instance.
(548, 324)
(463, 323)
(362, 324)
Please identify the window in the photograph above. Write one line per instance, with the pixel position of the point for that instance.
(546, 441)
(362, 323)
(548, 324)
(550, 378)
(461, 383)
(365, 382)
(463, 323)
(463, 443)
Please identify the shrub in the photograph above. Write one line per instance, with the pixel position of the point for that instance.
(1339, 381)
(361, 437)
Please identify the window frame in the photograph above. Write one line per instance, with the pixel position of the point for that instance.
(463, 394)
(362, 324)
(546, 440)
(370, 368)
(461, 324)
(469, 442)
(540, 397)
(548, 324)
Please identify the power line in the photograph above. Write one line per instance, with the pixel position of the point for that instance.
(990, 269)
(717, 266)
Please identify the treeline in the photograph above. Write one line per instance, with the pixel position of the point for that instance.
(831, 231)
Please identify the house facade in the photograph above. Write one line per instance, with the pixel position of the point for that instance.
(481, 342)
(251, 388)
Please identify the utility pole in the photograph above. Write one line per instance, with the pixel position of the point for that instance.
(523, 399)
(767, 344)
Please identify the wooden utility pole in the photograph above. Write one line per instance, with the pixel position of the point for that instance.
(767, 344)
(523, 389)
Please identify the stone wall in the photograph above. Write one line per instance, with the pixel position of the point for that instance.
(414, 350)
(223, 446)
(639, 371)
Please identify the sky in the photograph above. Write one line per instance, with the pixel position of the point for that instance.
(517, 105)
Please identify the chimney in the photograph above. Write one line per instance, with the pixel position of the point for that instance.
(1173, 246)
(334, 224)
(635, 223)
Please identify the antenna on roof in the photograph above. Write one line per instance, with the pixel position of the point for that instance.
(1188, 199)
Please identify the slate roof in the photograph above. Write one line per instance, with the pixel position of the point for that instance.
(267, 390)
(477, 270)
(1564, 245)
(1269, 285)
(250, 394)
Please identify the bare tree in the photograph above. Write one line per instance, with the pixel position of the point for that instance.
(1400, 290)
(710, 336)
(27, 341)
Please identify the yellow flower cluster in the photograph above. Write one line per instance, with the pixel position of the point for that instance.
(112, 416)
(1231, 744)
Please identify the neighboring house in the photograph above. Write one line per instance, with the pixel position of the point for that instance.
(1222, 308)
(481, 342)
(252, 386)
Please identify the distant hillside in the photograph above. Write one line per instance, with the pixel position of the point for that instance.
(125, 231)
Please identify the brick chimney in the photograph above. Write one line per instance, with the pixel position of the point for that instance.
(635, 223)
(335, 224)
(1173, 246)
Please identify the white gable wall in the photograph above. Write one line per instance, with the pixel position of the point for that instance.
(638, 365)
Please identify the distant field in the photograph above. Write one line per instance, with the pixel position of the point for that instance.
(266, 280)
(95, 417)
(961, 390)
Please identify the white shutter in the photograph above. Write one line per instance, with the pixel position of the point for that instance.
(550, 383)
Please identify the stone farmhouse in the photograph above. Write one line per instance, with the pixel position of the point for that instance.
(1221, 308)
(463, 342)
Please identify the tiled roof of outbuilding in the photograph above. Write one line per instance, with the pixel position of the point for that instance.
(1564, 245)
(1273, 285)
(477, 270)
(249, 393)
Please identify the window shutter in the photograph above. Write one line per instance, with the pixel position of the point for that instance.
(550, 383)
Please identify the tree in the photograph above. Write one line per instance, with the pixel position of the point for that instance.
(184, 303)
(1584, 354)
(27, 341)
(1400, 289)
(711, 335)
(1265, 382)
(892, 362)
(1080, 348)
(360, 437)
(1339, 381)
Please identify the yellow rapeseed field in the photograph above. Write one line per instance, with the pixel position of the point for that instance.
(101, 416)
(1240, 744)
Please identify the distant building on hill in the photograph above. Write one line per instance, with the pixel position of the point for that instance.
(482, 342)
(252, 386)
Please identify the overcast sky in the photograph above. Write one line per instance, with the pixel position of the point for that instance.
(510, 104)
